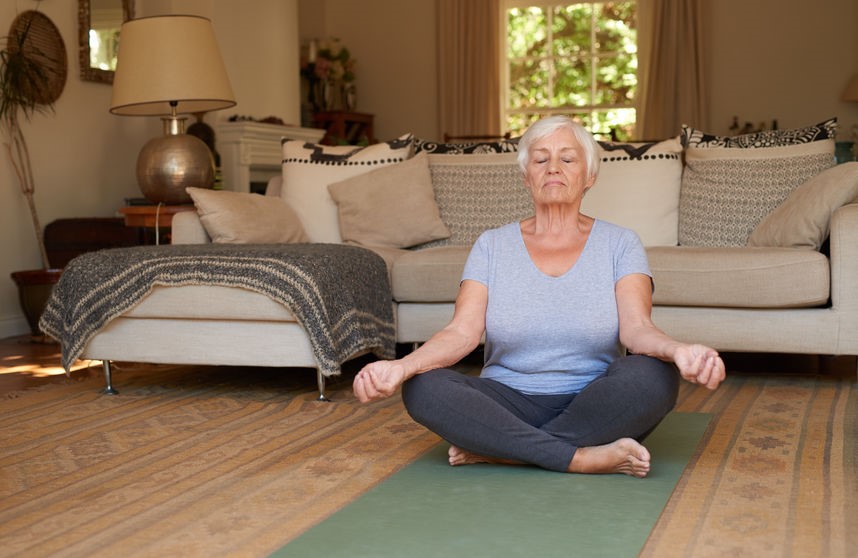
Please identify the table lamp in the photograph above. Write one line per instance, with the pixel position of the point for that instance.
(170, 66)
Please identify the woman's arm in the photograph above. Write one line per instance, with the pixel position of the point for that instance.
(698, 364)
(456, 340)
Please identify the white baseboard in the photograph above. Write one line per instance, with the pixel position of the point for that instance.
(13, 326)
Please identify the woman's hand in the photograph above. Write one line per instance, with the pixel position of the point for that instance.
(378, 380)
(700, 364)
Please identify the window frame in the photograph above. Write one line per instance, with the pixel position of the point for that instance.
(591, 108)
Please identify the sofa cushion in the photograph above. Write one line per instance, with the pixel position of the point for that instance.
(209, 302)
(730, 184)
(477, 192)
(309, 168)
(391, 206)
(239, 218)
(638, 188)
(803, 219)
(739, 277)
(430, 275)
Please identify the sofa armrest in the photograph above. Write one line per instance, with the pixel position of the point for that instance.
(844, 271)
(188, 229)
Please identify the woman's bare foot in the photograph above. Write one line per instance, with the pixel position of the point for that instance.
(458, 456)
(625, 456)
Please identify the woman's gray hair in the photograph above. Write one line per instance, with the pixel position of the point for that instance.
(547, 126)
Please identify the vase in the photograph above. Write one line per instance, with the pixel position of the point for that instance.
(34, 289)
(844, 151)
(350, 96)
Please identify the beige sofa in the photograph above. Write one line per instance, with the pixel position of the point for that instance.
(790, 291)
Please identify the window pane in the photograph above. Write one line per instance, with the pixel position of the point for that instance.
(615, 27)
(615, 124)
(572, 82)
(616, 78)
(529, 81)
(527, 30)
(571, 30)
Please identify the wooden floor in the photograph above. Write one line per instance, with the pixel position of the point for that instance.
(27, 362)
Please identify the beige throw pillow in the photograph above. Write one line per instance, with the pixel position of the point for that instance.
(392, 206)
(803, 219)
(238, 218)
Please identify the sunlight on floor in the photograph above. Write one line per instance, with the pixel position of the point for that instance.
(35, 359)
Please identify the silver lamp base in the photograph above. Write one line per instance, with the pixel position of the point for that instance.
(168, 164)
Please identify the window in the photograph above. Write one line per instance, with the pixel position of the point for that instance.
(576, 59)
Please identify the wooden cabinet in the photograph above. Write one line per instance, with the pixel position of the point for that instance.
(343, 127)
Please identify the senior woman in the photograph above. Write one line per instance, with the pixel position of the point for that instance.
(560, 297)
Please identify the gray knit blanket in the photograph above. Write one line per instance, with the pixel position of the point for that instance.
(340, 294)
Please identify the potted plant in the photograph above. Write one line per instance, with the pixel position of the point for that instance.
(32, 76)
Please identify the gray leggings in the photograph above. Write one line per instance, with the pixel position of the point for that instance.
(490, 419)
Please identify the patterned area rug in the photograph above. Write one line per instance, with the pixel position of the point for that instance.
(188, 462)
(777, 474)
(202, 461)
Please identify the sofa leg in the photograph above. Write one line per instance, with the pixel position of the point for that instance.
(108, 388)
(320, 380)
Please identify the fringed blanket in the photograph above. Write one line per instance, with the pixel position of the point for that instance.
(340, 294)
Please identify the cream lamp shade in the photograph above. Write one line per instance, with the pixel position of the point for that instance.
(851, 91)
(166, 59)
(170, 66)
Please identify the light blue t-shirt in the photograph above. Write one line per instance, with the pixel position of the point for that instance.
(552, 335)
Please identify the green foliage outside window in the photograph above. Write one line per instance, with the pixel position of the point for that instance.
(574, 59)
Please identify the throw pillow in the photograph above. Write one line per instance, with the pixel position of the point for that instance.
(309, 168)
(766, 138)
(393, 206)
(477, 192)
(638, 188)
(500, 146)
(238, 218)
(727, 190)
(803, 219)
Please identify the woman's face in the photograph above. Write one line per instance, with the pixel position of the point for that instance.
(556, 171)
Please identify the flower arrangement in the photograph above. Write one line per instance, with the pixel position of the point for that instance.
(331, 61)
(329, 70)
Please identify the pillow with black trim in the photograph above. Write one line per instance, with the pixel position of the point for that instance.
(309, 168)
(638, 188)
(692, 137)
(729, 185)
(477, 147)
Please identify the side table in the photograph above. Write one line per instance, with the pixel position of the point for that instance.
(153, 217)
(345, 127)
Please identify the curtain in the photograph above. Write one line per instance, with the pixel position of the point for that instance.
(672, 88)
(468, 67)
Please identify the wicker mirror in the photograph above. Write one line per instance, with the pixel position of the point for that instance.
(98, 36)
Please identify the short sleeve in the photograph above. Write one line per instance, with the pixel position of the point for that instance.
(477, 264)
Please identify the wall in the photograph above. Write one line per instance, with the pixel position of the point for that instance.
(781, 59)
(84, 157)
(394, 44)
(784, 59)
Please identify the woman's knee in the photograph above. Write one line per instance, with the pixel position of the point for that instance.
(419, 391)
(657, 379)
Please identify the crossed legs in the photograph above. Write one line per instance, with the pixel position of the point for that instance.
(596, 430)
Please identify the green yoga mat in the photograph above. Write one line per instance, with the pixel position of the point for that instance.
(431, 509)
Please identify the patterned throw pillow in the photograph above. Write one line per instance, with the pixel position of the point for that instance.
(638, 188)
(309, 168)
(766, 138)
(476, 193)
(501, 146)
(729, 185)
